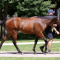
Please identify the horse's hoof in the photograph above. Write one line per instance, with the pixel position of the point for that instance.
(20, 52)
(34, 52)
(44, 52)
(41, 48)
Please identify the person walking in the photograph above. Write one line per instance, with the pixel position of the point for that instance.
(49, 33)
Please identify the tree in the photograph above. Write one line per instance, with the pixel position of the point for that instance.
(23, 8)
(33, 7)
(4, 5)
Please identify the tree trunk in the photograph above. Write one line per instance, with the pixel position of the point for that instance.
(5, 14)
(1, 19)
(5, 10)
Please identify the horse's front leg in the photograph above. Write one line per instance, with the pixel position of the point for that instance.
(16, 47)
(36, 40)
(14, 34)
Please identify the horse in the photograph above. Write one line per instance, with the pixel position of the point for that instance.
(32, 25)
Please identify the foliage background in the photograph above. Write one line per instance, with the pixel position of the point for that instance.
(23, 8)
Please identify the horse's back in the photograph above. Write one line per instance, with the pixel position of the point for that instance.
(20, 23)
(25, 25)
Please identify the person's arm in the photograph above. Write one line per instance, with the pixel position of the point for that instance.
(53, 27)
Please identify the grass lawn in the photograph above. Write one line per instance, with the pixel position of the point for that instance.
(29, 58)
(55, 47)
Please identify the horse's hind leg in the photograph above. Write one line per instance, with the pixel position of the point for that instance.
(42, 36)
(14, 34)
(5, 38)
(36, 40)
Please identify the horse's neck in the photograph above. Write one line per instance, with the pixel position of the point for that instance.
(54, 21)
(50, 22)
(47, 21)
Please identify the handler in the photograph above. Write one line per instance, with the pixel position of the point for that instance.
(49, 33)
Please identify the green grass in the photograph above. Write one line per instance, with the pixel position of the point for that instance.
(55, 47)
(29, 58)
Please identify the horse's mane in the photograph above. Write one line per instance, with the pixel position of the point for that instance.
(47, 17)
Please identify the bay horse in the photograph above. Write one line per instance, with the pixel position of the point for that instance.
(33, 25)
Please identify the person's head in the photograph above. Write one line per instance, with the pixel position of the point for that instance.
(51, 12)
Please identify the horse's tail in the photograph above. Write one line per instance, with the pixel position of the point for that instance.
(2, 22)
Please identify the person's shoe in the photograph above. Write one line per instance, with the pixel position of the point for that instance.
(49, 52)
(41, 48)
